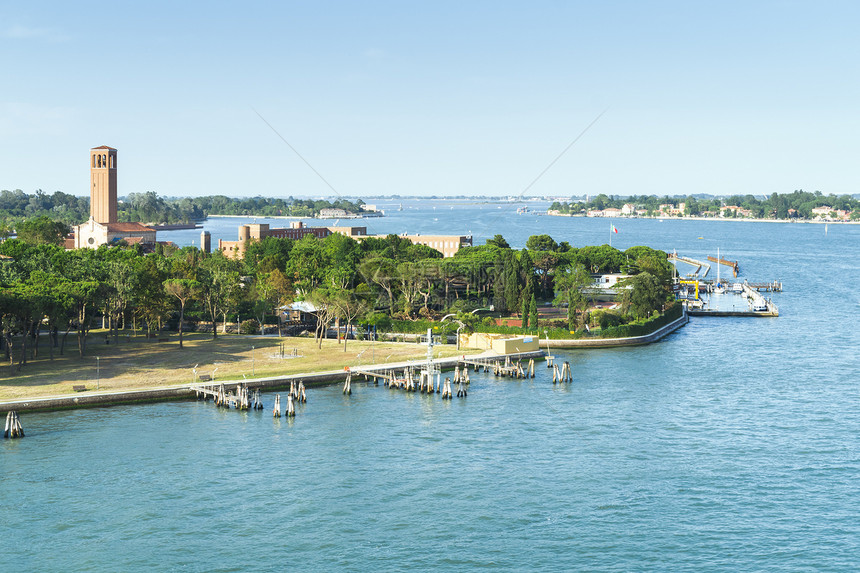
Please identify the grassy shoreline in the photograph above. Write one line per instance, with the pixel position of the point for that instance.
(139, 363)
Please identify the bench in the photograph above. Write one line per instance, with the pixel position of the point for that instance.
(79, 388)
(205, 377)
(164, 340)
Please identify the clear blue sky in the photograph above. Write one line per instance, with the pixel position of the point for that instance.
(442, 97)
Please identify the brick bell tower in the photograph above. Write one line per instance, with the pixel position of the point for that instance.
(103, 184)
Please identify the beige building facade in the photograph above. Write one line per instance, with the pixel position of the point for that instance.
(448, 245)
(296, 231)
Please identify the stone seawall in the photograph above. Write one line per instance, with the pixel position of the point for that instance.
(614, 342)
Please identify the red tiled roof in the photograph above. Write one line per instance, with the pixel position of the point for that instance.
(104, 147)
(128, 228)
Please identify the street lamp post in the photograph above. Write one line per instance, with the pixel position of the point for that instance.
(98, 371)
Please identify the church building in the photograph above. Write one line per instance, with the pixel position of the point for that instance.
(102, 227)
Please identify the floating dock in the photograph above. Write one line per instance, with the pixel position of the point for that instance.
(758, 306)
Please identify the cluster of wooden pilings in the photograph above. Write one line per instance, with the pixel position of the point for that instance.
(13, 426)
(290, 412)
(297, 391)
(294, 396)
(515, 370)
(422, 381)
(242, 399)
(563, 375)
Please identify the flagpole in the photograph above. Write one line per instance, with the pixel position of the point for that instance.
(610, 234)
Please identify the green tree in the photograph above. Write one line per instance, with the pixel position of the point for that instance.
(499, 241)
(182, 290)
(533, 313)
(525, 312)
(220, 286)
(644, 295)
(569, 286)
(42, 230)
(350, 305)
(541, 243)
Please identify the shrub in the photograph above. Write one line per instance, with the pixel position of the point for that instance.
(249, 327)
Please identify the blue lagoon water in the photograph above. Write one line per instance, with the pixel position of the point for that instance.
(730, 445)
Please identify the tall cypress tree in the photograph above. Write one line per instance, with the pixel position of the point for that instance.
(512, 283)
(525, 313)
(533, 312)
(500, 302)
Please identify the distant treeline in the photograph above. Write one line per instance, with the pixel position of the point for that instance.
(798, 204)
(148, 207)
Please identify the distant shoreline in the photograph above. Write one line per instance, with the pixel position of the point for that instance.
(719, 219)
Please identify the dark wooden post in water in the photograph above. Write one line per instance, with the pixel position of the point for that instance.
(13, 426)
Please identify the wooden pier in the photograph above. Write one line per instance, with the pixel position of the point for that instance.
(773, 286)
(732, 264)
(240, 399)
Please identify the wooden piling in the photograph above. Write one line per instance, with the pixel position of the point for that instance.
(277, 412)
(347, 386)
(291, 408)
(13, 428)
